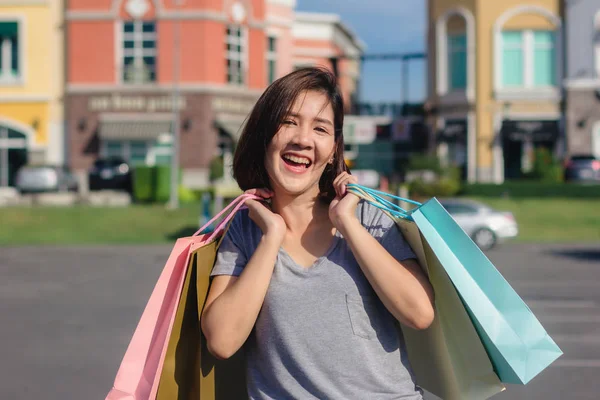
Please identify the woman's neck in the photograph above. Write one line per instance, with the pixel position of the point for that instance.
(299, 212)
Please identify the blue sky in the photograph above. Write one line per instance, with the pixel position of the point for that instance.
(392, 26)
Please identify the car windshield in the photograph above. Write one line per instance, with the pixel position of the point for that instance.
(108, 162)
(580, 157)
(465, 207)
(36, 169)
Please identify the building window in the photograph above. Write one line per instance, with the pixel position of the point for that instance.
(10, 65)
(544, 58)
(457, 61)
(113, 148)
(512, 59)
(132, 151)
(235, 41)
(271, 59)
(139, 51)
(528, 59)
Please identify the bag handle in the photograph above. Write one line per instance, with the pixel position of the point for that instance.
(236, 204)
(375, 198)
(379, 194)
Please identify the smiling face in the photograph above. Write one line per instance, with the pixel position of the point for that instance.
(303, 146)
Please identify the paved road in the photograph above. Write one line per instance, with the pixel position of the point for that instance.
(67, 315)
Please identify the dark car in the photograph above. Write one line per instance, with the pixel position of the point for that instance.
(582, 168)
(45, 178)
(111, 173)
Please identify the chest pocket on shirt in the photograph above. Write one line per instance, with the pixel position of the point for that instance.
(364, 316)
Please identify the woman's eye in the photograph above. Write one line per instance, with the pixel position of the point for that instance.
(289, 122)
(322, 130)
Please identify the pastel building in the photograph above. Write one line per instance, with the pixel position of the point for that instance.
(582, 83)
(31, 84)
(319, 38)
(126, 58)
(496, 70)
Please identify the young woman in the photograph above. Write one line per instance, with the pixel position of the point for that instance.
(312, 281)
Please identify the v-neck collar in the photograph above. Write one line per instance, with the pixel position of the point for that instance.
(334, 243)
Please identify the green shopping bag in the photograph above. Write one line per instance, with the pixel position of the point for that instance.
(517, 344)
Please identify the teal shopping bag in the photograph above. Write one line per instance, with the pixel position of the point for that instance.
(517, 344)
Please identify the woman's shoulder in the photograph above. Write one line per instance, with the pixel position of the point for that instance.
(241, 221)
(371, 217)
(242, 230)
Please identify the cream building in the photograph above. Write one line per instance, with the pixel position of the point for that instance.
(495, 70)
(31, 83)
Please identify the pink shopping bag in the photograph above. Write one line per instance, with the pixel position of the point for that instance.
(139, 372)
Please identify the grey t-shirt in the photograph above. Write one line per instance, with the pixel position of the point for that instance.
(322, 331)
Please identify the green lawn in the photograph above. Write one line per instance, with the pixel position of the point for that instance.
(87, 225)
(553, 220)
(542, 220)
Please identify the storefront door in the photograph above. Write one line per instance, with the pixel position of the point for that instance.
(520, 135)
(13, 154)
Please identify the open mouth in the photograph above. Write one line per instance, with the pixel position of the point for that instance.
(296, 161)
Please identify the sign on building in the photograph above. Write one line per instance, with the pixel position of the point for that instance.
(362, 129)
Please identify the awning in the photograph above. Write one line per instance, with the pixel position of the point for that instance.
(133, 130)
(531, 130)
(454, 131)
(232, 126)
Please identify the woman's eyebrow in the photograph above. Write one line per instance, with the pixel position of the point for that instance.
(324, 121)
(317, 119)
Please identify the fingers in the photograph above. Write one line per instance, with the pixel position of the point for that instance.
(342, 181)
(264, 193)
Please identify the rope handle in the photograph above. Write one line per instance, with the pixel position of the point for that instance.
(236, 205)
(375, 198)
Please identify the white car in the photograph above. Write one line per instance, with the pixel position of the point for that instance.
(486, 226)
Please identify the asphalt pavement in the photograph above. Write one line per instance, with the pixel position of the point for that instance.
(68, 314)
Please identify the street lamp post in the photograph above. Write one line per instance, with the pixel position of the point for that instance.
(174, 192)
(4, 157)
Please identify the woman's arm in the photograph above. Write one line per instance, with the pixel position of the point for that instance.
(401, 285)
(233, 303)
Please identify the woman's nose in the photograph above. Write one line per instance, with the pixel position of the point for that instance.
(303, 136)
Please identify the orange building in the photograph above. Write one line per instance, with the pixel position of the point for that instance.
(319, 38)
(124, 58)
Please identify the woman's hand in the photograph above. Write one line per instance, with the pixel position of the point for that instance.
(342, 209)
(271, 224)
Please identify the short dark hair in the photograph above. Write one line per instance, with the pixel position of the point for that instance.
(266, 118)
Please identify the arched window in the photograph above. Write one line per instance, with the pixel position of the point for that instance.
(455, 52)
(11, 50)
(527, 50)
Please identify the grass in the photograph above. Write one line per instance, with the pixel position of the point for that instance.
(553, 220)
(540, 220)
(137, 224)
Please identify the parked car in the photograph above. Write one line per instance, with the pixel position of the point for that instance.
(486, 226)
(112, 173)
(582, 168)
(45, 178)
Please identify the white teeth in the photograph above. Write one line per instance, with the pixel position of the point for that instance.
(298, 160)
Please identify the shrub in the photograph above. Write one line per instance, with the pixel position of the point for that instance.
(217, 169)
(545, 167)
(420, 162)
(443, 187)
(531, 189)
